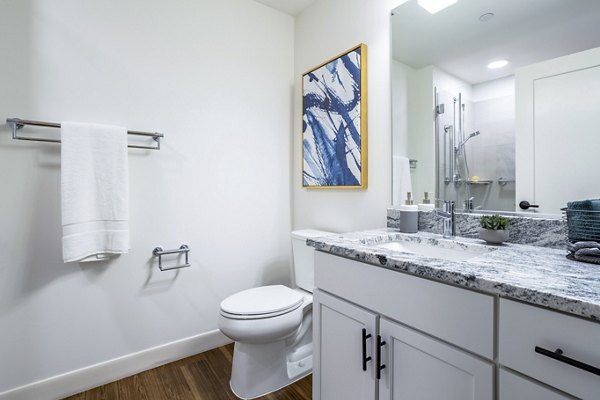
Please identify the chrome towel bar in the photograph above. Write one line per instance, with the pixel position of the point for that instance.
(159, 252)
(17, 123)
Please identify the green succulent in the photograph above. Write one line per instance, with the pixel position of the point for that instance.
(494, 222)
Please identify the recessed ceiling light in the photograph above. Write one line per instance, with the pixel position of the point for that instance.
(434, 6)
(498, 64)
(486, 17)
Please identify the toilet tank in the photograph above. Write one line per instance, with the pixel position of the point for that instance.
(303, 269)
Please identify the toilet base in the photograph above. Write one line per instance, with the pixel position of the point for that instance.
(259, 369)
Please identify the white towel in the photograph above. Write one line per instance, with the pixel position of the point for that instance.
(402, 180)
(95, 191)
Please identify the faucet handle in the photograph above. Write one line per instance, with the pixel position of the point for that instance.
(449, 206)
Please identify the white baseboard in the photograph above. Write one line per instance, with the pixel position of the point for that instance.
(67, 384)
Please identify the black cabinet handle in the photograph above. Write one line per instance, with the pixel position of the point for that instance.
(365, 359)
(380, 344)
(525, 205)
(558, 355)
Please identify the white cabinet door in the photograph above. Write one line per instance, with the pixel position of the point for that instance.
(418, 367)
(338, 350)
(513, 387)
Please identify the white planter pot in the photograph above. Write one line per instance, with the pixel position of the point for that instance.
(493, 236)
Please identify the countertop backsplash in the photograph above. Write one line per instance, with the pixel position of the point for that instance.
(543, 232)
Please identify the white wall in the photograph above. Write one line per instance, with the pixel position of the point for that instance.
(324, 30)
(445, 82)
(216, 77)
(421, 138)
(405, 103)
(493, 89)
(402, 75)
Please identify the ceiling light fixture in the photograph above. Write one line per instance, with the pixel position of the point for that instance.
(434, 6)
(498, 64)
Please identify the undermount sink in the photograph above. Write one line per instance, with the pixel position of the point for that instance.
(444, 249)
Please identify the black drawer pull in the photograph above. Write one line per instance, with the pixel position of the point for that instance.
(558, 355)
(365, 359)
(380, 343)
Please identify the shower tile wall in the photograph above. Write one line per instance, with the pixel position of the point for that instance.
(493, 152)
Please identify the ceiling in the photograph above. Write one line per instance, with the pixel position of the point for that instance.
(522, 31)
(291, 7)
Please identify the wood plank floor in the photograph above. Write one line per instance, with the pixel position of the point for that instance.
(201, 377)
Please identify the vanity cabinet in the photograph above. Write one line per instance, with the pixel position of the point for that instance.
(386, 335)
(379, 334)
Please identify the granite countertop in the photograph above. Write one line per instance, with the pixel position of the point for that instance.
(536, 275)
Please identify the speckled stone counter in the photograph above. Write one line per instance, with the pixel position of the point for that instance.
(536, 275)
(534, 231)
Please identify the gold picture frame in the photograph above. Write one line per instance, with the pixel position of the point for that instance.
(334, 122)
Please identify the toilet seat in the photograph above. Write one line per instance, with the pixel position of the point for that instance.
(262, 302)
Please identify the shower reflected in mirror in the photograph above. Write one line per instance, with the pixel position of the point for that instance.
(473, 162)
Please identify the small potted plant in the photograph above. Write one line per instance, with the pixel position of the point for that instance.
(494, 228)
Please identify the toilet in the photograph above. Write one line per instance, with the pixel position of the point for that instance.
(272, 327)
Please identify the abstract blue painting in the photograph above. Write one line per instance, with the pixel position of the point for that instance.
(334, 122)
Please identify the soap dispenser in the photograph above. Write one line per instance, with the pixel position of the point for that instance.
(426, 204)
(409, 215)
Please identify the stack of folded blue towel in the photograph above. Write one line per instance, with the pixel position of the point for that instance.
(583, 221)
(584, 251)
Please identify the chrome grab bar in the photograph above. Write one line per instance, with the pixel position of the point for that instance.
(159, 252)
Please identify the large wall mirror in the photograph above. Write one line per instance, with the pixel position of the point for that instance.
(496, 103)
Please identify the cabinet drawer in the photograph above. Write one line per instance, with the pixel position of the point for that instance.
(513, 387)
(524, 327)
(458, 316)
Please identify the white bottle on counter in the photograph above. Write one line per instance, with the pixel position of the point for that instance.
(409, 216)
(426, 204)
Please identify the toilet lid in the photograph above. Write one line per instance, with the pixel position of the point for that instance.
(262, 300)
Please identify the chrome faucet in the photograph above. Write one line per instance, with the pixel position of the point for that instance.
(469, 204)
(449, 218)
